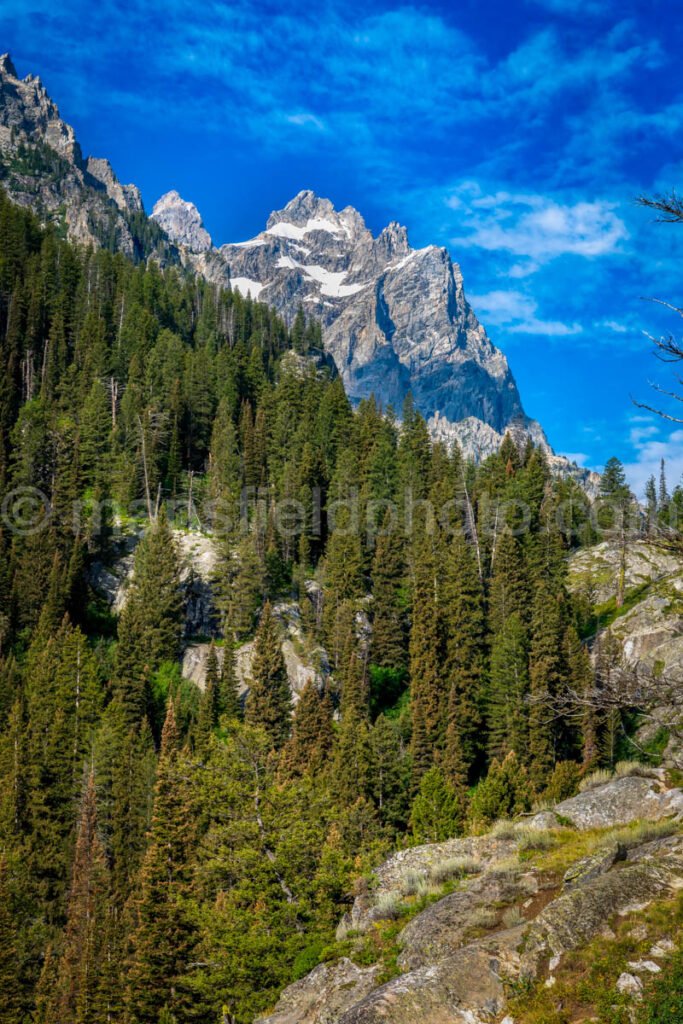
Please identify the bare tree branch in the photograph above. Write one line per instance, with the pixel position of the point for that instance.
(670, 207)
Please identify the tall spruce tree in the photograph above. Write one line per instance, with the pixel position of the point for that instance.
(164, 935)
(80, 968)
(388, 605)
(269, 703)
(546, 670)
(150, 624)
(463, 626)
(428, 689)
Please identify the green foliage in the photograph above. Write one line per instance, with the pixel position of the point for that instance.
(437, 810)
(205, 864)
(563, 782)
(505, 792)
(665, 997)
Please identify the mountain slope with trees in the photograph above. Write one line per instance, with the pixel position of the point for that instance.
(168, 854)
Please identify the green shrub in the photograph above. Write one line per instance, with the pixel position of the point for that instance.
(437, 811)
(563, 783)
(504, 792)
(307, 959)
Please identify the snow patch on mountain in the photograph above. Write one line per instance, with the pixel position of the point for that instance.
(246, 287)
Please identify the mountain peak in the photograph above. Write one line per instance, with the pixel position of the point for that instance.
(308, 212)
(182, 222)
(7, 67)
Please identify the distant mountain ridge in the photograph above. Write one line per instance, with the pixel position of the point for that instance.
(395, 319)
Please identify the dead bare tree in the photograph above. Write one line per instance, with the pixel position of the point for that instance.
(667, 349)
(619, 690)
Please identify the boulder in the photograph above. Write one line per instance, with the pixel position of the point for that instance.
(597, 568)
(620, 801)
(443, 927)
(328, 991)
(484, 851)
(467, 987)
(577, 916)
(589, 868)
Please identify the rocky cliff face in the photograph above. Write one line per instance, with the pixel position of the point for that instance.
(42, 167)
(395, 319)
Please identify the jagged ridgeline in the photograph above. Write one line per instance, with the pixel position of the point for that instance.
(395, 319)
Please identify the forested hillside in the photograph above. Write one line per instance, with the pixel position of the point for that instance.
(172, 854)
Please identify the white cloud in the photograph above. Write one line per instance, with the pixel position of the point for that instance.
(516, 312)
(538, 227)
(649, 454)
(305, 119)
(612, 325)
(580, 458)
(639, 435)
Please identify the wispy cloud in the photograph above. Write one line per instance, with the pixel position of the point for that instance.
(538, 227)
(517, 313)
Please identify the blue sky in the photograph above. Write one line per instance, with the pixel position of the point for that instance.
(516, 132)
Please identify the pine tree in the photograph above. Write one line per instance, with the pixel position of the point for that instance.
(437, 810)
(150, 624)
(509, 592)
(581, 680)
(390, 773)
(130, 775)
(463, 627)
(164, 936)
(352, 768)
(428, 692)
(663, 492)
(229, 703)
(269, 701)
(505, 792)
(78, 972)
(12, 1004)
(546, 671)
(209, 705)
(240, 584)
(310, 745)
(507, 708)
(388, 614)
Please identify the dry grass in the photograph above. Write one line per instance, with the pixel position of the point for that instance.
(536, 839)
(388, 906)
(644, 832)
(595, 779)
(455, 867)
(512, 917)
(411, 881)
(503, 829)
(482, 919)
(625, 769)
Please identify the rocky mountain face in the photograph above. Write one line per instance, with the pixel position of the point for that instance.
(42, 167)
(182, 222)
(395, 319)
